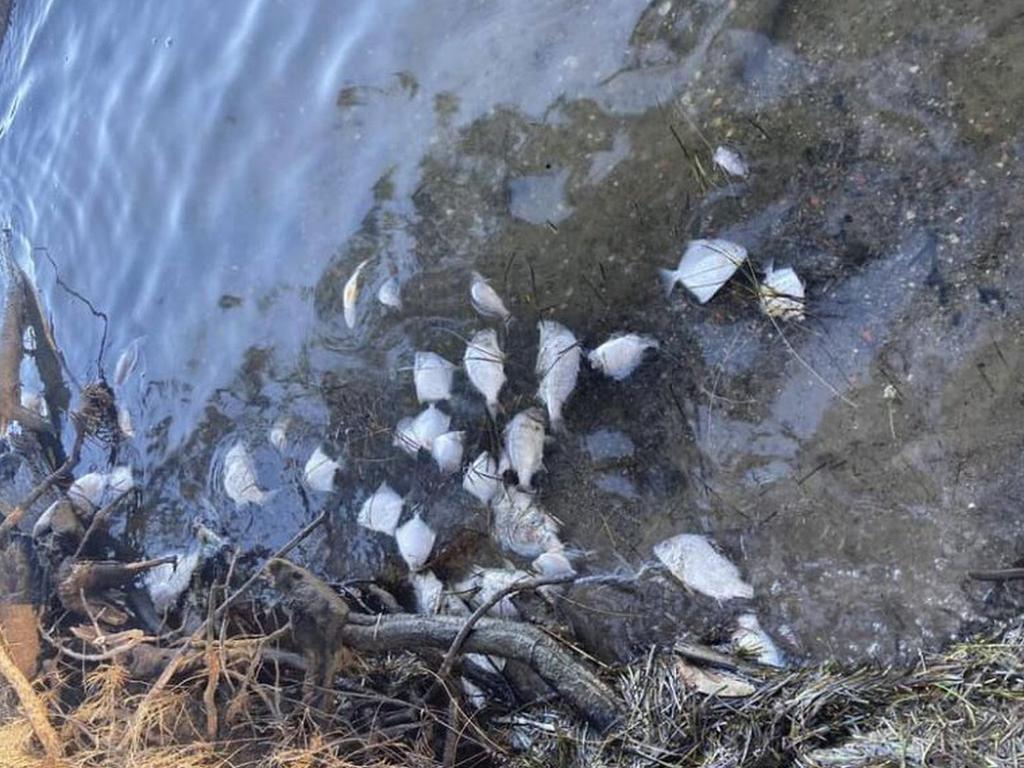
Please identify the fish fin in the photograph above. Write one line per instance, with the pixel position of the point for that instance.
(669, 278)
(495, 410)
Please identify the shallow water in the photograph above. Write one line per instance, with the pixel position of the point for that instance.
(210, 174)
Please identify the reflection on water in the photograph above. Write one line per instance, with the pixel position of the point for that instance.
(212, 185)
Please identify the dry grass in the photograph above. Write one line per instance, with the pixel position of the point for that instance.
(964, 707)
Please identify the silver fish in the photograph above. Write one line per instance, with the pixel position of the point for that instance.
(278, 434)
(697, 564)
(120, 480)
(433, 376)
(124, 422)
(751, 638)
(553, 564)
(486, 300)
(730, 161)
(447, 451)
(481, 479)
(419, 433)
(319, 471)
(35, 402)
(522, 527)
(485, 367)
(484, 583)
(382, 510)
(524, 444)
(86, 493)
(558, 365)
(168, 581)
(429, 592)
(240, 481)
(782, 294)
(705, 267)
(405, 436)
(350, 295)
(415, 541)
(621, 354)
(127, 362)
(390, 293)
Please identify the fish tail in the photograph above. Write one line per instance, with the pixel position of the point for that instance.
(669, 277)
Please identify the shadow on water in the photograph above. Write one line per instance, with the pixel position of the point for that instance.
(223, 185)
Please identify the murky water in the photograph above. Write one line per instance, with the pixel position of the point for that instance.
(210, 174)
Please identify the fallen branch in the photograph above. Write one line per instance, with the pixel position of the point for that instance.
(34, 709)
(519, 585)
(580, 687)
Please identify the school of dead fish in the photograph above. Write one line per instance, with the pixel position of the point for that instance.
(521, 526)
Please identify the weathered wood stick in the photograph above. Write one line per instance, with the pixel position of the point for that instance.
(580, 687)
(33, 707)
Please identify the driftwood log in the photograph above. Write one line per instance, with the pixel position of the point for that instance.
(580, 687)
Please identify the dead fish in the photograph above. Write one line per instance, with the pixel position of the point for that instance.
(552, 564)
(433, 376)
(415, 541)
(485, 367)
(120, 480)
(411, 435)
(621, 354)
(381, 511)
(318, 474)
(127, 362)
(712, 682)
(482, 479)
(447, 451)
(405, 436)
(429, 592)
(697, 564)
(558, 365)
(278, 435)
(524, 445)
(730, 161)
(485, 299)
(390, 293)
(430, 424)
(782, 294)
(35, 402)
(474, 694)
(522, 527)
(167, 582)
(124, 422)
(61, 514)
(350, 295)
(240, 481)
(705, 267)
(86, 493)
(751, 638)
(484, 583)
